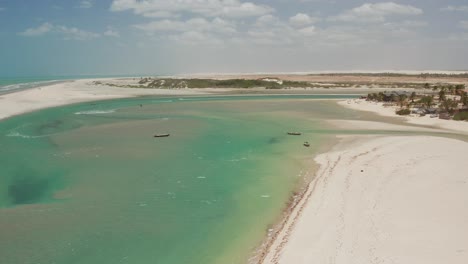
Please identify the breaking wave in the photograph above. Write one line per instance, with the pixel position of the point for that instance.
(95, 112)
(17, 134)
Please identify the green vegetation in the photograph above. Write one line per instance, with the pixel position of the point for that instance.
(450, 99)
(460, 116)
(448, 106)
(403, 111)
(402, 99)
(270, 83)
(170, 83)
(427, 101)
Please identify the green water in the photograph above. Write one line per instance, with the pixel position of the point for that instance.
(89, 184)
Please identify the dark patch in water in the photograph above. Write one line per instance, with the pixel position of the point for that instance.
(274, 140)
(27, 190)
(50, 127)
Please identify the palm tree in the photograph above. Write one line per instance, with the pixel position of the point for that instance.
(464, 98)
(412, 97)
(427, 101)
(442, 94)
(451, 89)
(402, 99)
(449, 105)
(380, 96)
(459, 89)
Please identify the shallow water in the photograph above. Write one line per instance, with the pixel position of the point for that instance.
(88, 183)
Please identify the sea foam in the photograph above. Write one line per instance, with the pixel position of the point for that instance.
(95, 112)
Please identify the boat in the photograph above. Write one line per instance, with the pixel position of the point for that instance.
(161, 135)
(306, 144)
(294, 133)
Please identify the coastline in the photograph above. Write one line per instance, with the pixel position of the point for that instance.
(373, 192)
(329, 223)
(77, 91)
(68, 93)
(83, 90)
(286, 244)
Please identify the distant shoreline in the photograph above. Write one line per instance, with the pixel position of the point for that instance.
(85, 90)
(79, 91)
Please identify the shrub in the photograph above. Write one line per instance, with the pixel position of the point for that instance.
(461, 116)
(403, 112)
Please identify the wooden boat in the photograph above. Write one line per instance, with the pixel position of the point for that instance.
(294, 133)
(161, 135)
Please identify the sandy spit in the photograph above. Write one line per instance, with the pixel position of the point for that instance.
(72, 92)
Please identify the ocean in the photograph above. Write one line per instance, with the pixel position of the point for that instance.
(89, 184)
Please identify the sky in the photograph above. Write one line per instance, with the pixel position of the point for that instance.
(160, 37)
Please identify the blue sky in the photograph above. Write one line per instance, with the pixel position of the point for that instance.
(102, 37)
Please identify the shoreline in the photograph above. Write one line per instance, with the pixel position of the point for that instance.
(83, 90)
(70, 92)
(277, 244)
(289, 243)
(313, 232)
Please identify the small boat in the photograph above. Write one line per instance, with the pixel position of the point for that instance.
(306, 144)
(161, 135)
(294, 133)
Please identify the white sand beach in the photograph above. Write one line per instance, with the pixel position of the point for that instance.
(73, 92)
(382, 200)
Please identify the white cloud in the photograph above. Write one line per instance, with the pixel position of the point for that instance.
(464, 24)
(195, 38)
(75, 33)
(270, 30)
(216, 25)
(455, 8)
(377, 12)
(407, 24)
(267, 20)
(207, 8)
(111, 33)
(64, 31)
(39, 31)
(307, 31)
(86, 4)
(302, 20)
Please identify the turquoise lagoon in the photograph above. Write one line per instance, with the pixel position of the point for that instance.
(88, 183)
